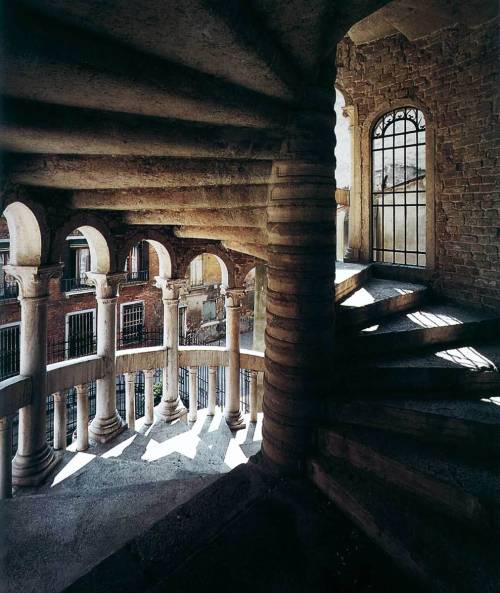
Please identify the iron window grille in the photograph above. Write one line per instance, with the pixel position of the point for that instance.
(398, 201)
(9, 351)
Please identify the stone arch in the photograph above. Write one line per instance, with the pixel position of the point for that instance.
(163, 250)
(25, 231)
(226, 265)
(97, 236)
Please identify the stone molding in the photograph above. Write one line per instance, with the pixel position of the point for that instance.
(33, 281)
(234, 297)
(171, 288)
(107, 285)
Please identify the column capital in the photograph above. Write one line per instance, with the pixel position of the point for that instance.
(106, 285)
(33, 280)
(234, 296)
(171, 288)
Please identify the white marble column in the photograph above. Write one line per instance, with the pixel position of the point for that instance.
(193, 394)
(82, 417)
(5, 457)
(34, 458)
(130, 400)
(232, 411)
(148, 397)
(253, 396)
(170, 408)
(212, 390)
(60, 420)
(107, 423)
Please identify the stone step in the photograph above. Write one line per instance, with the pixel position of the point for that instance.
(441, 552)
(378, 299)
(471, 426)
(426, 327)
(349, 278)
(50, 540)
(426, 383)
(466, 491)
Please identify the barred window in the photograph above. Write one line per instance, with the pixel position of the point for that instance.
(398, 203)
(132, 322)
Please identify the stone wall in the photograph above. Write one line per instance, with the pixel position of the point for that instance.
(451, 76)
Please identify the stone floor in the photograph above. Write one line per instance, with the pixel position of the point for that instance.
(97, 500)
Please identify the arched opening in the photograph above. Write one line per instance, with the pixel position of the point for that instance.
(343, 171)
(85, 250)
(202, 311)
(140, 316)
(10, 314)
(398, 188)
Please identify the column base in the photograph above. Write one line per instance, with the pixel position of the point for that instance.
(235, 420)
(103, 430)
(31, 470)
(168, 411)
(351, 255)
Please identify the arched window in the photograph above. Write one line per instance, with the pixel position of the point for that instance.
(398, 202)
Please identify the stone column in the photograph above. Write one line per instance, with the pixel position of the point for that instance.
(107, 423)
(60, 420)
(170, 408)
(259, 307)
(193, 394)
(5, 457)
(212, 390)
(300, 338)
(34, 458)
(82, 417)
(130, 400)
(148, 397)
(232, 411)
(253, 396)
(355, 240)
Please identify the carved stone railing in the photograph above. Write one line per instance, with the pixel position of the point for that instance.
(16, 392)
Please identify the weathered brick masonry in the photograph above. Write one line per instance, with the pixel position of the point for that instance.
(452, 75)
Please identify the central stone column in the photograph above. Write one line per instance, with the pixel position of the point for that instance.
(232, 411)
(107, 423)
(301, 210)
(170, 408)
(34, 458)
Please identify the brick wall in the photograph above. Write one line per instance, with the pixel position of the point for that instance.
(452, 75)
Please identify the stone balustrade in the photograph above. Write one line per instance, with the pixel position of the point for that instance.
(16, 392)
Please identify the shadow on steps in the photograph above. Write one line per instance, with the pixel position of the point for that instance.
(249, 532)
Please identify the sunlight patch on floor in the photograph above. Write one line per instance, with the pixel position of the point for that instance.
(359, 299)
(468, 357)
(76, 463)
(117, 450)
(185, 444)
(426, 319)
(234, 455)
